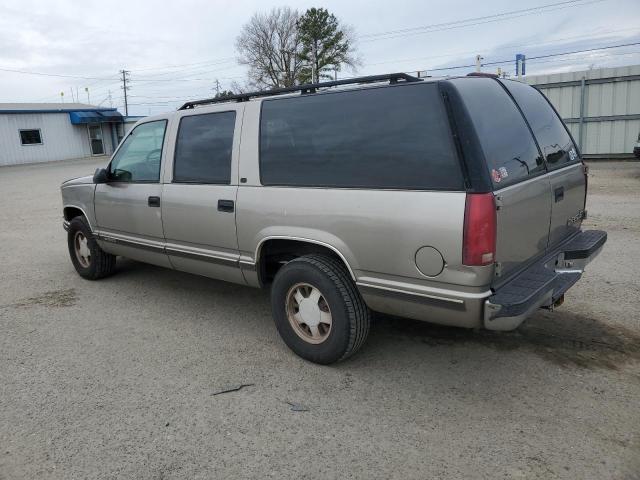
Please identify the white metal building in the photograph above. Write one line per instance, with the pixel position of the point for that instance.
(601, 107)
(43, 132)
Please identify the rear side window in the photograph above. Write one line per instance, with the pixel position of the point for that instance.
(389, 137)
(508, 146)
(552, 136)
(203, 148)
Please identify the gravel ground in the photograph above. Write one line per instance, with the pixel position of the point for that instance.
(114, 379)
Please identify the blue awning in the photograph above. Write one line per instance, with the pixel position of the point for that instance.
(80, 118)
(111, 116)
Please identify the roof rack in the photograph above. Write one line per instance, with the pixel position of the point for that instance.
(304, 89)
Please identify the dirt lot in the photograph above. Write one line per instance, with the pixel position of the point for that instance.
(114, 379)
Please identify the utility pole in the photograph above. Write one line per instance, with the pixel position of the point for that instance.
(86, 89)
(125, 87)
(479, 59)
(110, 99)
(217, 88)
(62, 97)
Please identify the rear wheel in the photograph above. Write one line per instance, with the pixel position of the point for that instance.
(89, 260)
(317, 309)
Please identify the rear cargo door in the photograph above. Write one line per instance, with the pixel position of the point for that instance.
(567, 178)
(517, 172)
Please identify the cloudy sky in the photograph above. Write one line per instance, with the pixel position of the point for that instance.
(177, 50)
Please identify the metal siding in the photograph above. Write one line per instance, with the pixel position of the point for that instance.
(60, 139)
(601, 137)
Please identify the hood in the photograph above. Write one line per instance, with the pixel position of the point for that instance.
(78, 181)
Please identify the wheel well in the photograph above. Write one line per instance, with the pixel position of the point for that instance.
(277, 252)
(72, 212)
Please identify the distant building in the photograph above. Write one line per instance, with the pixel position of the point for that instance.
(601, 107)
(44, 132)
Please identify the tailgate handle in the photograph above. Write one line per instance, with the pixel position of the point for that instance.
(225, 205)
(559, 194)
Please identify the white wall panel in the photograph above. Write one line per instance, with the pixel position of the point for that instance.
(601, 99)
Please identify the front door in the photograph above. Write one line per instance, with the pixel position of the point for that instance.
(199, 195)
(95, 139)
(128, 206)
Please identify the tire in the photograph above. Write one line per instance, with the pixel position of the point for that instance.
(97, 264)
(303, 278)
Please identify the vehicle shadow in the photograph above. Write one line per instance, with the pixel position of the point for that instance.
(562, 337)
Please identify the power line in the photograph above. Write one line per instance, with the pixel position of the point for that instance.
(212, 62)
(504, 47)
(53, 74)
(468, 22)
(499, 62)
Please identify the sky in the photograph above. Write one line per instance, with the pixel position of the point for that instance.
(175, 51)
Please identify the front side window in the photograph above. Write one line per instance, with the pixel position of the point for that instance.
(203, 148)
(388, 137)
(552, 136)
(30, 137)
(509, 148)
(138, 158)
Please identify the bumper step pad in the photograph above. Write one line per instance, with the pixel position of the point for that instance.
(517, 296)
(585, 244)
(540, 284)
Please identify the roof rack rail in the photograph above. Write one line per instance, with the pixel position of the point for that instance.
(304, 89)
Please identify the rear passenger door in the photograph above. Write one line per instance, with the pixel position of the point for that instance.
(567, 178)
(517, 171)
(199, 193)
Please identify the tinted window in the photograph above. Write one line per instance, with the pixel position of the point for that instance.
(390, 137)
(508, 146)
(203, 148)
(138, 158)
(552, 136)
(30, 137)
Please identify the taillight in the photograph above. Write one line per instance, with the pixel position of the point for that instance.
(479, 236)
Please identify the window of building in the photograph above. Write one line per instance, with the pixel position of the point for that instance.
(138, 159)
(552, 136)
(30, 137)
(388, 137)
(507, 143)
(203, 148)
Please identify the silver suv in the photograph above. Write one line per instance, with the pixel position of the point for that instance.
(457, 201)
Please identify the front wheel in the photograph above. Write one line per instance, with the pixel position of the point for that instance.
(317, 309)
(89, 260)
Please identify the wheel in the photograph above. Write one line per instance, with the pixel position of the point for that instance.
(89, 260)
(317, 309)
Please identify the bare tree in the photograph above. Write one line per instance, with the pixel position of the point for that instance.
(270, 46)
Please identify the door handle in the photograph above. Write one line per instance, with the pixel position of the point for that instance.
(559, 194)
(154, 201)
(226, 205)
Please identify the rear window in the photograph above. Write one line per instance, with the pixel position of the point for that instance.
(552, 136)
(390, 137)
(508, 146)
(203, 148)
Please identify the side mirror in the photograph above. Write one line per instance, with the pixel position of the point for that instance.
(100, 176)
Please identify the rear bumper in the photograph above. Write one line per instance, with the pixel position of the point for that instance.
(543, 283)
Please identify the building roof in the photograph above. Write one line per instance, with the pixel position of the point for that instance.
(50, 108)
